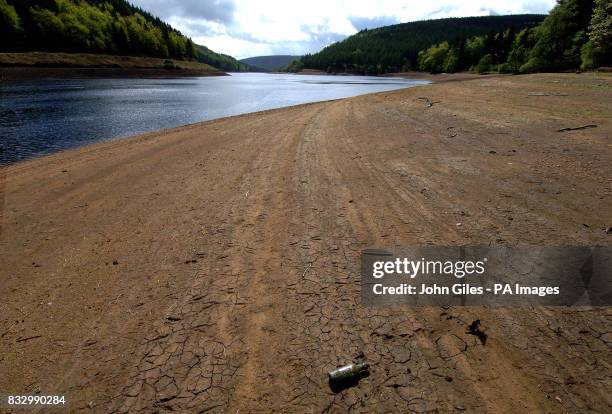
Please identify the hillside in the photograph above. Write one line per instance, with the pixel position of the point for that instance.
(269, 63)
(92, 26)
(106, 27)
(395, 48)
(219, 60)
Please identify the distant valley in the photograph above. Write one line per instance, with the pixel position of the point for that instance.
(268, 63)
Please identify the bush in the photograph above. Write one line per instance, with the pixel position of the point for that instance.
(485, 64)
(504, 68)
(588, 57)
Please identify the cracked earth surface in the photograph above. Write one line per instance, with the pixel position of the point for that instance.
(215, 267)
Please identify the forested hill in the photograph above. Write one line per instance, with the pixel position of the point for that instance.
(113, 27)
(219, 60)
(269, 63)
(395, 48)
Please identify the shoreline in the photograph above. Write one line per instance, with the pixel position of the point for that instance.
(103, 140)
(26, 73)
(177, 269)
(414, 75)
(158, 133)
(43, 65)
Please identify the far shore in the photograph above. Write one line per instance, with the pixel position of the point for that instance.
(414, 75)
(48, 73)
(43, 65)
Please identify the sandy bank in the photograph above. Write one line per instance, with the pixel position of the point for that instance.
(30, 73)
(42, 65)
(216, 266)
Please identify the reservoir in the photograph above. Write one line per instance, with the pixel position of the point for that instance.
(41, 117)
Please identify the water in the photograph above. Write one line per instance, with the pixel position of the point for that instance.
(42, 117)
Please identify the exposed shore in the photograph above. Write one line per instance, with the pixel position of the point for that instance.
(434, 78)
(42, 73)
(41, 65)
(216, 266)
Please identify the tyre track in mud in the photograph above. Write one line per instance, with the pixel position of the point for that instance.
(212, 359)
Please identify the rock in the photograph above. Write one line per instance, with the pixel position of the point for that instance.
(474, 329)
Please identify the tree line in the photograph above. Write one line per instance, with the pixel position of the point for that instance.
(576, 34)
(396, 48)
(93, 26)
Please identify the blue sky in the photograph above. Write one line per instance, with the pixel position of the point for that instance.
(244, 28)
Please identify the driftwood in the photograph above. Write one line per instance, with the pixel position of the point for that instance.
(28, 338)
(546, 94)
(577, 128)
(428, 102)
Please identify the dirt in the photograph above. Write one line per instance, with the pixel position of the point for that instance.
(41, 65)
(40, 73)
(215, 267)
(443, 77)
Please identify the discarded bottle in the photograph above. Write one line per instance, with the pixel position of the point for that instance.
(348, 373)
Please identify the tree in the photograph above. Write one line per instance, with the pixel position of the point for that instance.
(10, 26)
(49, 28)
(521, 48)
(451, 62)
(91, 26)
(433, 59)
(397, 47)
(560, 36)
(485, 64)
(474, 50)
(598, 50)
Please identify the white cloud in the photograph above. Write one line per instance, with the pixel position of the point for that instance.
(244, 28)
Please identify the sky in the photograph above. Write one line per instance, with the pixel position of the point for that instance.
(245, 28)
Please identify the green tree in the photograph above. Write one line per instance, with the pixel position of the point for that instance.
(49, 28)
(474, 50)
(485, 64)
(10, 26)
(519, 54)
(92, 26)
(391, 48)
(598, 50)
(560, 37)
(451, 62)
(433, 59)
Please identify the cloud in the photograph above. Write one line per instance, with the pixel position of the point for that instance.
(221, 11)
(244, 28)
(361, 23)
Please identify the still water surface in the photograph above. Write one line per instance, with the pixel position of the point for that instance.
(42, 117)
